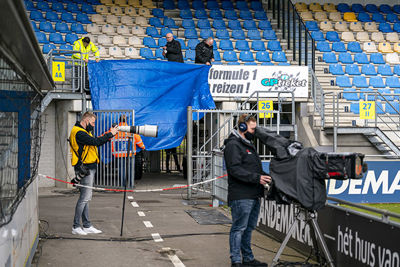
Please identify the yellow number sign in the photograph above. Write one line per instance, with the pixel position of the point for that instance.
(58, 71)
(266, 105)
(367, 110)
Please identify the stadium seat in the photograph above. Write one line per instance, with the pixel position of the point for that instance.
(246, 56)
(52, 16)
(249, 25)
(336, 69)
(168, 5)
(354, 47)
(345, 58)
(256, 6)
(147, 53)
(205, 33)
(360, 82)
(355, 107)
(190, 55)
(263, 56)
(392, 108)
(385, 95)
(86, 8)
(193, 42)
(378, 17)
(245, 15)
(78, 28)
(170, 23)
(315, 7)
(368, 69)
(62, 27)
(396, 70)
(227, 5)
(341, 26)
(35, 28)
(356, 26)
(396, 9)
(114, 20)
(164, 31)
(183, 45)
(186, 14)
(217, 57)
(198, 5)
(156, 22)
(47, 48)
(44, 6)
(350, 95)
(332, 36)
(56, 38)
(361, 58)
(323, 46)
(253, 35)
(392, 37)
(392, 82)
(371, 8)
(66, 47)
(264, 25)
(67, 17)
(46, 26)
(376, 82)
(260, 15)
(396, 27)
(357, 8)
(348, 37)
(338, 47)
(225, 45)
(83, 18)
(137, 30)
(230, 56)
(216, 14)
(329, 57)
(200, 14)
(212, 5)
(384, 8)
(258, 45)
(70, 38)
(317, 36)
(392, 58)
(349, 16)
(352, 69)
(320, 16)
(234, 25)
(343, 7)
(369, 47)
(279, 56)
(152, 31)
(222, 34)
(312, 26)
(385, 47)
(343, 81)
(29, 6)
(362, 37)
(326, 26)
(231, 14)
(182, 5)
(385, 27)
(219, 24)
(119, 40)
(274, 46)
(329, 7)
(116, 52)
(233, 63)
(149, 42)
(188, 24)
(392, 18)
(385, 70)
(370, 27)
(364, 17)
(335, 16)
(238, 34)
(105, 40)
(306, 16)
(73, 8)
(108, 29)
(242, 5)
(301, 7)
(158, 13)
(396, 47)
(376, 58)
(203, 24)
(242, 45)
(365, 92)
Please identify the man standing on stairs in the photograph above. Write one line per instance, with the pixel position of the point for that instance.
(172, 50)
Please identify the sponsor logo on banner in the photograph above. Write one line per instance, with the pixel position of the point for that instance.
(243, 81)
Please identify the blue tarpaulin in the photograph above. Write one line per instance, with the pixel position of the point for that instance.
(158, 91)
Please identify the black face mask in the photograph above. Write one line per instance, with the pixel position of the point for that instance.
(89, 127)
(249, 136)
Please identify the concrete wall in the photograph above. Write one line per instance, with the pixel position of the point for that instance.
(47, 153)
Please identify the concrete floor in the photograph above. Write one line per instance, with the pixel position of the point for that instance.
(189, 243)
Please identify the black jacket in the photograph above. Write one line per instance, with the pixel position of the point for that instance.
(204, 53)
(83, 139)
(174, 51)
(244, 168)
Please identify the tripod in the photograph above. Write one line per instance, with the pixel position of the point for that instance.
(318, 240)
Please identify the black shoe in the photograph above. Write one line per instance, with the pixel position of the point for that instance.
(254, 263)
(236, 264)
(168, 171)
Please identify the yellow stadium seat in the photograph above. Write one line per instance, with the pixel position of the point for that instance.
(349, 16)
(315, 7)
(301, 7)
(385, 47)
(329, 7)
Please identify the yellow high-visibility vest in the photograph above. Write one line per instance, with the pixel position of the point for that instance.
(84, 51)
(89, 154)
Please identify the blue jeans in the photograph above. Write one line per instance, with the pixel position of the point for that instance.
(82, 206)
(121, 170)
(244, 220)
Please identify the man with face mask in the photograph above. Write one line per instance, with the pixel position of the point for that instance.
(246, 180)
(84, 152)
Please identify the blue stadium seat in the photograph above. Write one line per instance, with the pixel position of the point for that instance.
(190, 34)
(368, 69)
(185, 14)
(376, 82)
(169, 5)
(253, 35)
(190, 55)
(234, 25)
(263, 56)
(146, 53)
(149, 42)
(364, 17)
(384, 8)
(360, 82)
(256, 6)
(352, 69)
(329, 57)
(217, 56)
(392, 18)
(242, 45)
(159, 54)
(192, 43)
(222, 34)
(267, 64)
(242, 5)
(215, 14)
(357, 8)
(56, 38)
(73, 8)
(66, 47)
(156, 22)
(354, 47)
(203, 24)
(29, 6)
(238, 34)
(35, 28)
(269, 35)
(183, 45)
(78, 28)
(392, 82)
(44, 6)
(371, 8)
(243, 14)
(332, 36)
(355, 108)
(264, 25)
(246, 56)
(396, 70)
(212, 5)
(274, 46)
(312, 26)
(323, 47)
(387, 95)
(338, 47)
(396, 27)
(226, 45)
(188, 24)
(377, 58)
(231, 14)
(88, 9)
(152, 31)
(219, 24)
(227, 5)
(230, 56)
(394, 108)
(200, 14)
(67, 17)
(233, 63)
(83, 18)
(279, 56)
(350, 96)
(36, 16)
(198, 5)
(250, 63)
(336, 69)
(370, 92)
(161, 42)
(182, 5)
(158, 13)
(385, 27)
(70, 38)
(396, 9)
(164, 31)
(260, 15)
(205, 33)
(62, 27)
(343, 7)
(317, 36)
(378, 17)
(52, 16)
(170, 23)
(361, 58)
(249, 25)
(47, 47)
(385, 70)
(397, 92)
(258, 45)
(343, 81)
(345, 58)
(46, 26)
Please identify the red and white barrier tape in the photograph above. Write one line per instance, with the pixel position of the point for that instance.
(133, 190)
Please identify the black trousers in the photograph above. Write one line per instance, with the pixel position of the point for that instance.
(173, 152)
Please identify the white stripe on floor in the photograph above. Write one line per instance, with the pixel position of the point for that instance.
(135, 204)
(141, 213)
(130, 197)
(176, 261)
(157, 237)
(148, 224)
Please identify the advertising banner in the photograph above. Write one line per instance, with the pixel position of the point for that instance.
(243, 81)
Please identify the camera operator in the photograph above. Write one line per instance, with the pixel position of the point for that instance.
(85, 159)
(246, 180)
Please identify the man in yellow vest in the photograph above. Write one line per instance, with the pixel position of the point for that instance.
(119, 151)
(83, 47)
(85, 158)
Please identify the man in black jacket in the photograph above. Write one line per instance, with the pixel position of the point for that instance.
(172, 50)
(204, 52)
(245, 188)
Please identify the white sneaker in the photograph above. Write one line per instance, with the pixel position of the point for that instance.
(91, 230)
(78, 231)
